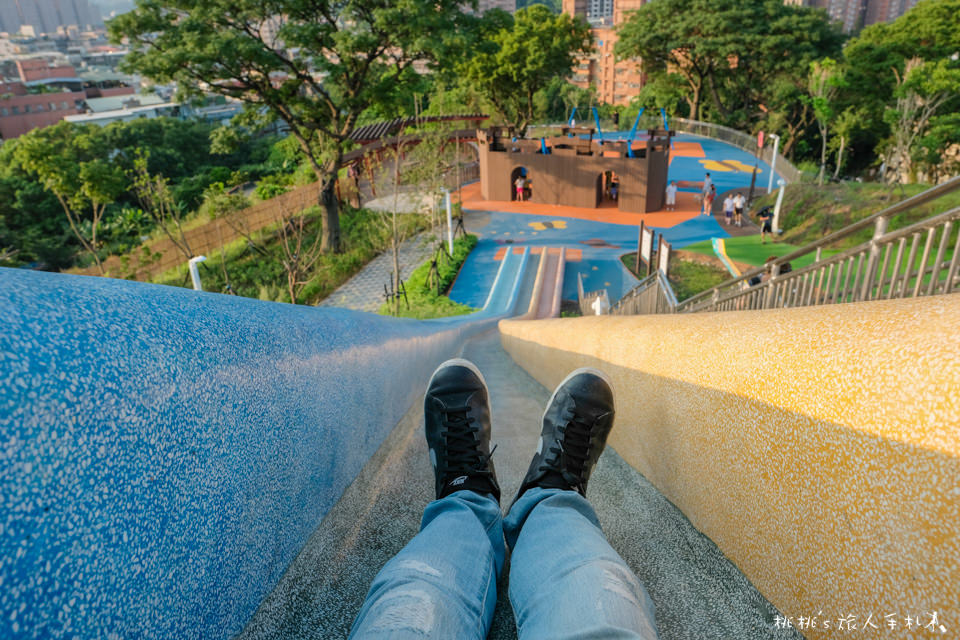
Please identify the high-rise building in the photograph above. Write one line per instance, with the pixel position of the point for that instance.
(615, 82)
(854, 14)
(506, 5)
(47, 16)
(886, 10)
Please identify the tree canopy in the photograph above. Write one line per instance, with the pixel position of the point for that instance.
(523, 56)
(317, 65)
(740, 61)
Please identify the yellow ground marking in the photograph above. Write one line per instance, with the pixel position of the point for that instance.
(725, 166)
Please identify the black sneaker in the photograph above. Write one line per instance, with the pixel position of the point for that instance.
(576, 424)
(456, 415)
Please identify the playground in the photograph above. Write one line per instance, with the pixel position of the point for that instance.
(180, 463)
(595, 238)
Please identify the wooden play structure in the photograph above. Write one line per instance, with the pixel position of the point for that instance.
(575, 170)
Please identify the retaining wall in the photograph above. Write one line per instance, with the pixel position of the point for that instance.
(165, 453)
(818, 447)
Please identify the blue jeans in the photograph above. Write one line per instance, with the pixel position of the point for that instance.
(565, 579)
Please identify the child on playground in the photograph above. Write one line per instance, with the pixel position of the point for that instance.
(708, 200)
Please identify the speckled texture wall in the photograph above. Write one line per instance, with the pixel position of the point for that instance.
(818, 447)
(165, 453)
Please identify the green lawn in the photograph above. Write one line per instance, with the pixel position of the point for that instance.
(749, 250)
(425, 295)
(686, 277)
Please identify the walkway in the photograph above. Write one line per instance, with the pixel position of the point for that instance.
(364, 291)
(698, 593)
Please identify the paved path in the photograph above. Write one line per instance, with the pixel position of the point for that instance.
(364, 291)
(698, 593)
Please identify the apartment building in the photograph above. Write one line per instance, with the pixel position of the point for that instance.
(615, 82)
(855, 14)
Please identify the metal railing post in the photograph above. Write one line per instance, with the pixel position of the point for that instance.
(768, 299)
(871, 270)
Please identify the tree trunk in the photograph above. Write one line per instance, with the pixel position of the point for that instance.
(696, 102)
(331, 216)
(836, 172)
(823, 154)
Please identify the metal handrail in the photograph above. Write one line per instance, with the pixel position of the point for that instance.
(653, 294)
(739, 138)
(718, 294)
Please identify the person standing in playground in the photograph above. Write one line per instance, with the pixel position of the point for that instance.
(728, 209)
(766, 224)
(708, 200)
(520, 183)
(672, 195)
(739, 202)
(707, 185)
(566, 581)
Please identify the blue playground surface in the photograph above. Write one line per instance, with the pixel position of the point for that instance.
(600, 243)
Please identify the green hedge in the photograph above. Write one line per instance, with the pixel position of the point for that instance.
(424, 302)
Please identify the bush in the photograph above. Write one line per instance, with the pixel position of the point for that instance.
(422, 295)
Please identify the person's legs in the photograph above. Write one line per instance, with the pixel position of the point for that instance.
(443, 583)
(566, 581)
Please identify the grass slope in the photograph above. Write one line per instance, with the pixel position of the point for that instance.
(422, 295)
(257, 271)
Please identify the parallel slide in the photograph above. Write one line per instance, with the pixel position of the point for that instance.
(545, 300)
(188, 464)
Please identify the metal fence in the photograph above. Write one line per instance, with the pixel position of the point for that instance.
(653, 120)
(740, 139)
(920, 259)
(653, 295)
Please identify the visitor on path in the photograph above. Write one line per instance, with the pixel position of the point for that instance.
(672, 195)
(520, 183)
(707, 185)
(739, 202)
(765, 218)
(708, 201)
(728, 208)
(443, 583)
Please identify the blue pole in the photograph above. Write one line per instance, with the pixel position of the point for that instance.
(633, 132)
(543, 147)
(596, 118)
(663, 112)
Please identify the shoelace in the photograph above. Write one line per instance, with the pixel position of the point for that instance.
(575, 445)
(463, 455)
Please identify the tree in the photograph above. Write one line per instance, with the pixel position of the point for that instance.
(734, 58)
(922, 90)
(72, 163)
(157, 201)
(824, 79)
(317, 66)
(847, 125)
(525, 54)
(876, 70)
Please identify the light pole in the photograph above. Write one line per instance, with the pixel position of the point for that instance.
(776, 208)
(195, 272)
(773, 161)
(449, 224)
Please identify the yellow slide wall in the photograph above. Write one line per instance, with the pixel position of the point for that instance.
(819, 447)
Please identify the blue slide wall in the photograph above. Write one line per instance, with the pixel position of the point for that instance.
(165, 453)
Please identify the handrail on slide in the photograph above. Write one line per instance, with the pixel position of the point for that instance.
(883, 267)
